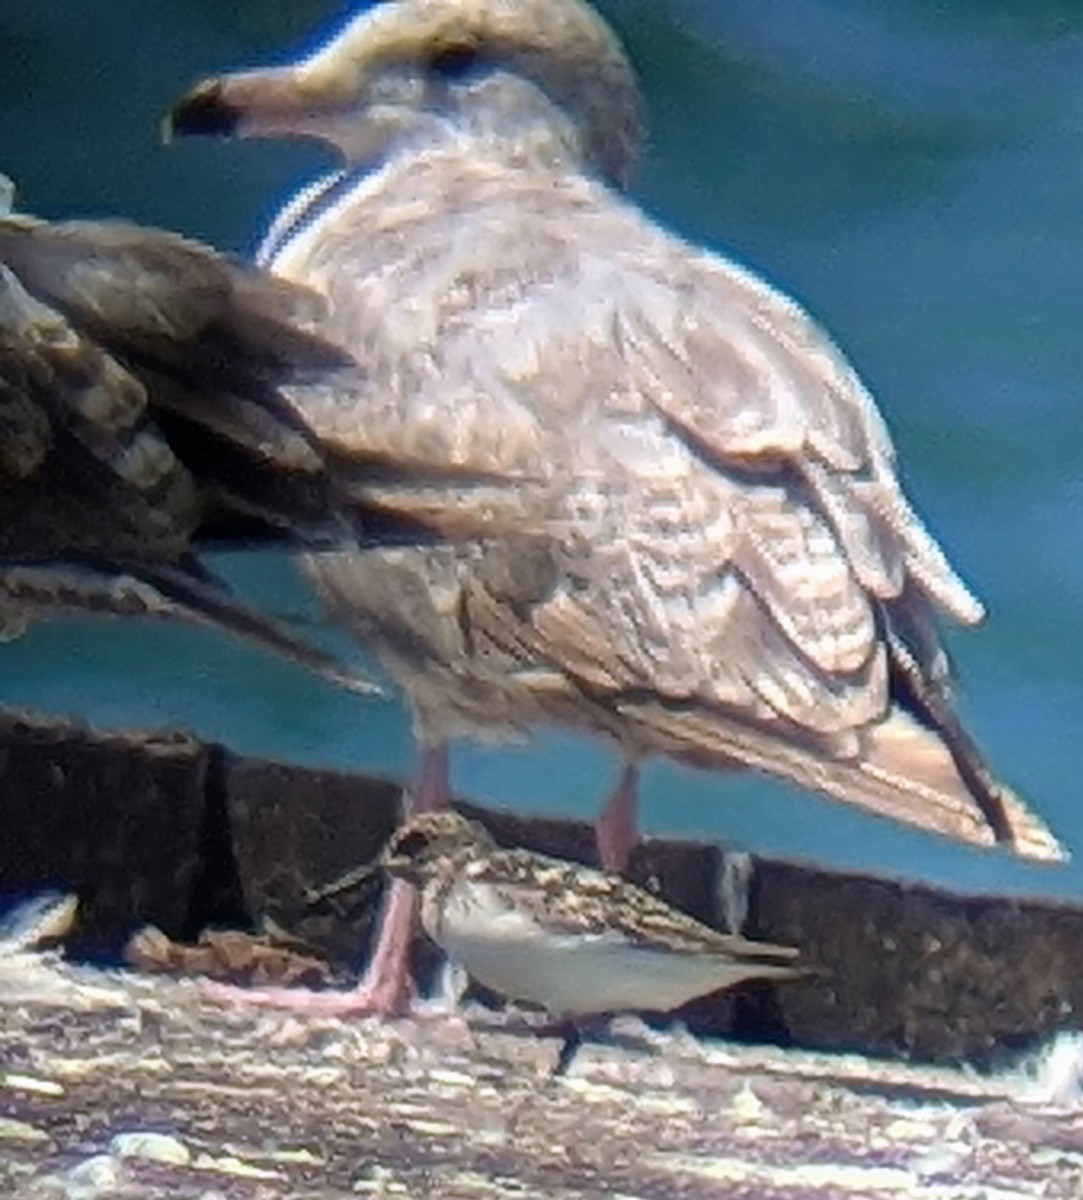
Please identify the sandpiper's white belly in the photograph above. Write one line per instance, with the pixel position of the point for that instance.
(509, 950)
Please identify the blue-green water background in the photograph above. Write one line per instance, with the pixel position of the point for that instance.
(911, 169)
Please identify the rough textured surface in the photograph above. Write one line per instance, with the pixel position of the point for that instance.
(120, 1085)
(159, 829)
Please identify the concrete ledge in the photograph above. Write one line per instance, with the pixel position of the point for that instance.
(159, 828)
(117, 818)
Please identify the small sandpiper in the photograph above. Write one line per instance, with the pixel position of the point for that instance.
(576, 941)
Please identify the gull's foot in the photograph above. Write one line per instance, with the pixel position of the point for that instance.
(375, 998)
(387, 989)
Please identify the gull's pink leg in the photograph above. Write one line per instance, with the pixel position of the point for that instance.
(617, 829)
(386, 987)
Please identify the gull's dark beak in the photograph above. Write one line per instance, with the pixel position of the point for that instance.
(206, 110)
(272, 102)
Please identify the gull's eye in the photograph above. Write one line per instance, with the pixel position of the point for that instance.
(454, 60)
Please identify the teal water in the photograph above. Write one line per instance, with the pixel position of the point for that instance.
(912, 170)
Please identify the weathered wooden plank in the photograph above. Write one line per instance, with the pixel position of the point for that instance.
(246, 1105)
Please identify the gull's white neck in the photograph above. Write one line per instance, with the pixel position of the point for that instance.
(301, 218)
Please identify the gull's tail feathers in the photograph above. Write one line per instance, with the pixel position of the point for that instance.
(928, 775)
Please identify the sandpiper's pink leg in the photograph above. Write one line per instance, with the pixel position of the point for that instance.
(617, 828)
(386, 987)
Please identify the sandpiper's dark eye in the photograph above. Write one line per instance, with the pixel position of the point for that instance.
(454, 60)
(412, 845)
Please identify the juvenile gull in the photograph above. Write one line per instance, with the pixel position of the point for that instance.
(716, 560)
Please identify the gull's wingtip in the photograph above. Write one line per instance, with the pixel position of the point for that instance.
(1030, 836)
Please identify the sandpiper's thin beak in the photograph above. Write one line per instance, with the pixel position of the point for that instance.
(397, 866)
(349, 881)
(408, 866)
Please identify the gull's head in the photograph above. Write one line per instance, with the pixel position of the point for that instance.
(400, 67)
(425, 844)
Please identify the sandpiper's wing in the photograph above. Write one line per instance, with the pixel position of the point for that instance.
(575, 900)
